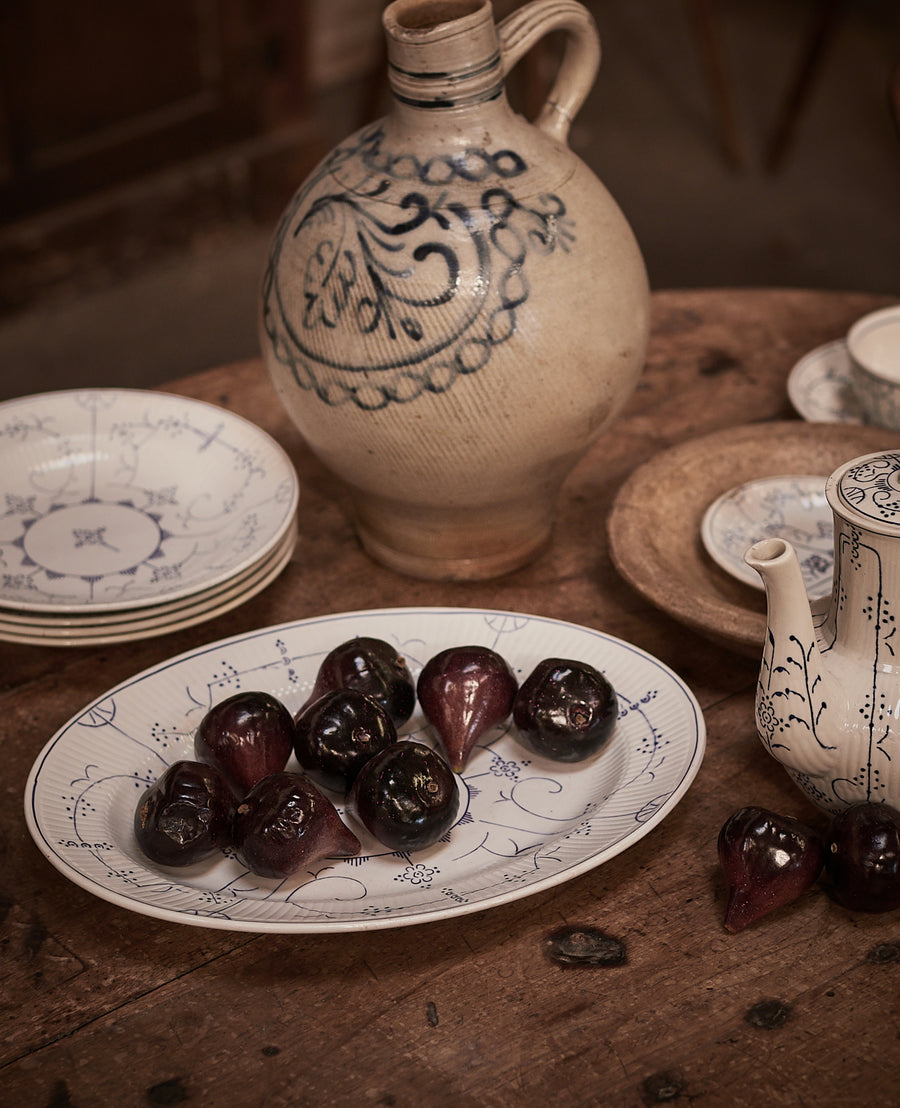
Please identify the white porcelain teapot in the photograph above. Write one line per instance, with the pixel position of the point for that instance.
(828, 696)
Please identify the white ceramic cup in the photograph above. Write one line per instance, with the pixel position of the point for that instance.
(873, 344)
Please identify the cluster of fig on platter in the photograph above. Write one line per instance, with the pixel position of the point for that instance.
(770, 860)
(238, 793)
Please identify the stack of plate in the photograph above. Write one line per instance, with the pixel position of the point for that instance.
(126, 514)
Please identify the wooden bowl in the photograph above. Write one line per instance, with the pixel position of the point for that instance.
(654, 523)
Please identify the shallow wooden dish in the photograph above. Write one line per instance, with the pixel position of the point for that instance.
(654, 523)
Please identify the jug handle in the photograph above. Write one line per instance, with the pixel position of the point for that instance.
(519, 31)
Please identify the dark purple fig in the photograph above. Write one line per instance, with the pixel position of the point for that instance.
(405, 796)
(337, 734)
(185, 816)
(369, 666)
(565, 710)
(464, 692)
(768, 860)
(285, 823)
(862, 857)
(246, 737)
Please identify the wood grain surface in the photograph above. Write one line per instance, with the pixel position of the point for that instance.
(106, 1007)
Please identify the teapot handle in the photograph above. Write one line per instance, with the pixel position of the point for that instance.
(519, 31)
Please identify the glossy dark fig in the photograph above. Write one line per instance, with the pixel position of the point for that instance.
(862, 858)
(405, 796)
(768, 861)
(337, 734)
(185, 815)
(246, 737)
(373, 667)
(284, 823)
(565, 710)
(464, 692)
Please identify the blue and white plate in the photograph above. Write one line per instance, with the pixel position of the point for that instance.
(790, 507)
(525, 823)
(162, 619)
(117, 499)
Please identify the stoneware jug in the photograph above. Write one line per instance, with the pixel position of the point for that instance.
(454, 307)
(828, 698)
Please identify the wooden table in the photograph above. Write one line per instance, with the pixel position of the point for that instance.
(107, 1007)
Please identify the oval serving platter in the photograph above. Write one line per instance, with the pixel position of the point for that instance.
(525, 823)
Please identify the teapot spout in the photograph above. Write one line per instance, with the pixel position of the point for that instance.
(790, 697)
(787, 603)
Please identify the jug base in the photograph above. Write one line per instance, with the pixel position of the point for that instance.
(460, 545)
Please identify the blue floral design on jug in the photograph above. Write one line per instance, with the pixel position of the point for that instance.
(406, 256)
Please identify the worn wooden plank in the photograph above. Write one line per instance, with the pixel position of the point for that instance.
(105, 1006)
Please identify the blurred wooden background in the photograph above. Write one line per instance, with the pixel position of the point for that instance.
(147, 149)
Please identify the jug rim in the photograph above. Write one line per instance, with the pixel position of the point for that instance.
(417, 18)
(443, 53)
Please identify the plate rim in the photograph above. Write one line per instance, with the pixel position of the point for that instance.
(691, 768)
(156, 626)
(235, 419)
(62, 626)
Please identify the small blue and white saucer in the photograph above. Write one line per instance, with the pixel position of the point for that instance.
(819, 386)
(790, 507)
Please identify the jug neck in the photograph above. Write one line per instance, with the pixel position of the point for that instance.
(443, 55)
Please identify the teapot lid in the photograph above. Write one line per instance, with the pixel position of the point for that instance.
(866, 491)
